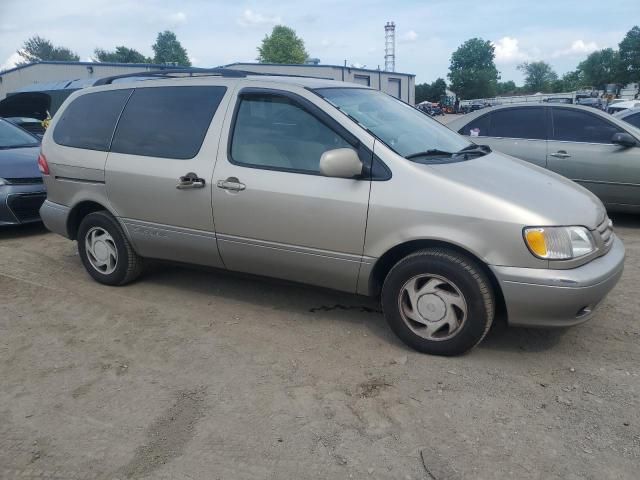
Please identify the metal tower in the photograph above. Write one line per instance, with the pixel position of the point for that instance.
(390, 47)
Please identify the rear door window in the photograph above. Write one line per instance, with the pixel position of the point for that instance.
(578, 126)
(528, 123)
(167, 122)
(88, 122)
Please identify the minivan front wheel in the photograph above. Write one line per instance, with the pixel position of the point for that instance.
(105, 251)
(438, 301)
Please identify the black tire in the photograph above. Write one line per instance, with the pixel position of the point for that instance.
(471, 283)
(128, 265)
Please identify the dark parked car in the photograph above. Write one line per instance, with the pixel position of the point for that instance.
(21, 189)
(559, 100)
(590, 102)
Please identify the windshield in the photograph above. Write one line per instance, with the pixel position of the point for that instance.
(14, 137)
(403, 128)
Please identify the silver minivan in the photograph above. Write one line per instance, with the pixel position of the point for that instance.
(325, 183)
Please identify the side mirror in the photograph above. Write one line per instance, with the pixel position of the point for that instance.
(340, 163)
(624, 140)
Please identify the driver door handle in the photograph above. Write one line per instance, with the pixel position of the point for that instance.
(231, 184)
(190, 180)
(560, 154)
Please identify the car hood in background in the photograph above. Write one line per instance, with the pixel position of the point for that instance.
(520, 190)
(19, 162)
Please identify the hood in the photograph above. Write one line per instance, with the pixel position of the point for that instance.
(522, 192)
(19, 162)
(31, 104)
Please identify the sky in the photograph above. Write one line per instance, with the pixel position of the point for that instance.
(216, 32)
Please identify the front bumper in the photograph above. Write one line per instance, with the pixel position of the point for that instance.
(559, 298)
(20, 203)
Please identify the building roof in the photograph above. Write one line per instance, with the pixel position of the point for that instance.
(315, 66)
(162, 66)
(91, 64)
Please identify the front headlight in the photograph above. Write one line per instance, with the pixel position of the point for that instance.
(559, 243)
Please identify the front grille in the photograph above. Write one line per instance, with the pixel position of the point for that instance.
(605, 229)
(26, 207)
(24, 181)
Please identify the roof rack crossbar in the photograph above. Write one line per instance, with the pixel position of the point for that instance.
(170, 72)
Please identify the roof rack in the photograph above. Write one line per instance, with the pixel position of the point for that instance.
(177, 73)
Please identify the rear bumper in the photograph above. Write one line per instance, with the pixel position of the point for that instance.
(55, 217)
(559, 298)
(20, 203)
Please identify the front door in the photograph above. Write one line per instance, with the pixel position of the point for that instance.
(275, 214)
(580, 148)
(159, 170)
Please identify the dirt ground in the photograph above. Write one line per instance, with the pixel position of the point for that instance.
(193, 374)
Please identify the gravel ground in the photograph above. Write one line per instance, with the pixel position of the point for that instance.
(193, 374)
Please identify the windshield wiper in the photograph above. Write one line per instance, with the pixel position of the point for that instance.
(429, 153)
(473, 149)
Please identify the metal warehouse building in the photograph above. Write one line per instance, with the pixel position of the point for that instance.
(400, 85)
(25, 77)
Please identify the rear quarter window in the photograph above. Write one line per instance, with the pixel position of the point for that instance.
(89, 120)
(478, 127)
(167, 122)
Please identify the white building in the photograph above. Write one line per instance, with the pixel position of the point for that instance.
(25, 77)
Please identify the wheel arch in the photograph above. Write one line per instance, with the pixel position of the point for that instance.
(392, 256)
(78, 212)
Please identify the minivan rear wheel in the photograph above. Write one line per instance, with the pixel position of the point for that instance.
(105, 251)
(438, 301)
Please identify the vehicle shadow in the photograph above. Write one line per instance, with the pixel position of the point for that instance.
(503, 338)
(321, 304)
(12, 232)
(293, 299)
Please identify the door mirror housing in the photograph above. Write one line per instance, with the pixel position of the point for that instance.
(341, 163)
(624, 140)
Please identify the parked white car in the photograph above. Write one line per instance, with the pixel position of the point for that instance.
(621, 106)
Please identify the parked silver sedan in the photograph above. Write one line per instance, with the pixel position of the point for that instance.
(592, 148)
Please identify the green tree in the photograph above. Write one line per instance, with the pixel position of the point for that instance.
(601, 67)
(423, 92)
(438, 90)
(37, 48)
(282, 46)
(120, 55)
(630, 56)
(168, 49)
(432, 92)
(506, 88)
(472, 70)
(571, 81)
(539, 76)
